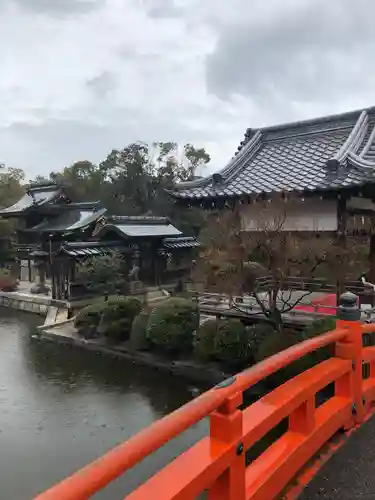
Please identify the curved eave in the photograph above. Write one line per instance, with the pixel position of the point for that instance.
(17, 209)
(108, 228)
(230, 169)
(358, 162)
(353, 141)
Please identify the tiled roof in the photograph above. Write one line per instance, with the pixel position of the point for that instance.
(137, 219)
(181, 242)
(87, 248)
(69, 220)
(33, 198)
(328, 153)
(138, 227)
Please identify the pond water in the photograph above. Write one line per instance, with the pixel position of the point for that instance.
(61, 407)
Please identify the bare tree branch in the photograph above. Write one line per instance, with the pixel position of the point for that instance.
(298, 301)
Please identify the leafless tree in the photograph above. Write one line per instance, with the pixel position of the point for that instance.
(259, 261)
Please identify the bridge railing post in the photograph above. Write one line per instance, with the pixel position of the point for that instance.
(348, 317)
(226, 426)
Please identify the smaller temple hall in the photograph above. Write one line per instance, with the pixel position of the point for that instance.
(58, 235)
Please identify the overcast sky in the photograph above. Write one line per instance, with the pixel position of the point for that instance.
(80, 77)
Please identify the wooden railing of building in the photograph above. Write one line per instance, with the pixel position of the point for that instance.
(365, 293)
(217, 463)
(299, 283)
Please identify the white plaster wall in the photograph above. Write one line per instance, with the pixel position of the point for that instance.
(297, 215)
(360, 203)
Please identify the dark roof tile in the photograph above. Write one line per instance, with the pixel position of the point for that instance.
(73, 220)
(295, 157)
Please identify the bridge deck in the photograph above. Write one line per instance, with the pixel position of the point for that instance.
(350, 472)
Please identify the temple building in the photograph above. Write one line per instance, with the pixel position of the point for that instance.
(321, 172)
(58, 234)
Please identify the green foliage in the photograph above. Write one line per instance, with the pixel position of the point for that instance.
(172, 324)
(275, 343)
(11, 189)
(258, 333)
(317, 327)
(232, 343)
(139, 338)
(8, 283)
(204, 342)
(117, 317)
(279, 341)
(112, 319)
(88, 318)
(103, 274)
(133, 180)
(229, 341)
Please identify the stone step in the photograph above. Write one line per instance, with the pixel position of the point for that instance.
(51, 315)
(157, 295)
(62, 315)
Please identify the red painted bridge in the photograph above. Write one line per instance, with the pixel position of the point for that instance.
(327, 450)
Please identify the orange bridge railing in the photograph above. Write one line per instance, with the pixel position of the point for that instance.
(217, 463)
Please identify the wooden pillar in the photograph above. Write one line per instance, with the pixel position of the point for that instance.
(342, 223)
(53, 279)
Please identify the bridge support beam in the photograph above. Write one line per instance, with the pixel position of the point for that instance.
(349, 316)
(226, 425)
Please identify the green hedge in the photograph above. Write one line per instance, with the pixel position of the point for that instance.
(232, 343)
(89, 316)
(229, 341)
(139, 338)
(172, 324)
(117, 317)
(277, 342)
(204, 342)
(112, 319)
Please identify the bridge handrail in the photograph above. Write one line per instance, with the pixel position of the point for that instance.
(220, 403)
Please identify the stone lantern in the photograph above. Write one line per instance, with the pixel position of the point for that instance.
(40, 262)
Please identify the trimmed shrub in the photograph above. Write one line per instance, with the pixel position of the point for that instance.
(257, 334)
(280, 341)
(88, 316)
(229, 341)
(318, 327)
(120, 306)
(112, 319)
(139, 338)
(117, 317)
(8, 283)
(204, 342)
(232, 343)
(172, 324)
(274, 343)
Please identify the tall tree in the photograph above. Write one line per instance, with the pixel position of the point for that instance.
(11, 190)
(233, 261)
(134, 180)
(196, 159)
(84, 181)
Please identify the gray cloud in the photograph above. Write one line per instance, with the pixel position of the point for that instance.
(162, 8)
(59, 7)
(54, 143)
(301, 50)
(74, 87)
(102, 84)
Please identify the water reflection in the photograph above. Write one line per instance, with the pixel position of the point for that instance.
(62, 406)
